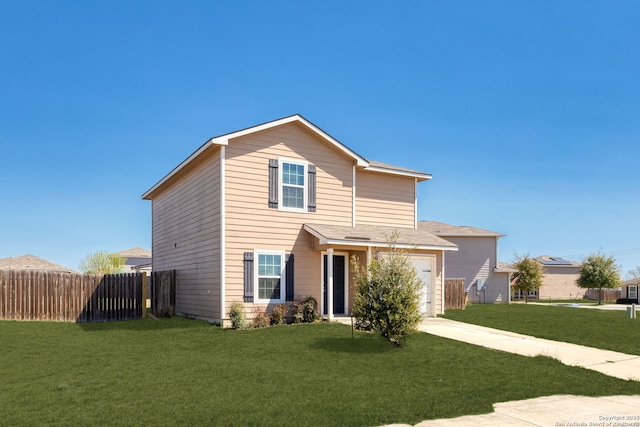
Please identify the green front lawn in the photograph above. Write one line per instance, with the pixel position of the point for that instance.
(183, 372)
(606, 329)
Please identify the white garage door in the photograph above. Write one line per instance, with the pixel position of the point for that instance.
(425, 269)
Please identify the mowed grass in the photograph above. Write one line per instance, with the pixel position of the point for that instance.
(184, 372)
(606, 329)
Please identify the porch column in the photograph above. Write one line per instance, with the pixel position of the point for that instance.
(369, 258)
(330, 284)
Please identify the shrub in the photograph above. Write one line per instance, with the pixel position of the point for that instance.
(305, 310)
(297, 309)
(310, 310)
(260, 319)
(278, 314)
(387, 295)
(237, 316)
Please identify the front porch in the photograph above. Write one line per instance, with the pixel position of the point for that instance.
(340, 246)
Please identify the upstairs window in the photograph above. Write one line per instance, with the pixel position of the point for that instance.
(293, 184)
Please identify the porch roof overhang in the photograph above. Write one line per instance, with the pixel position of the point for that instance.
(378, 236)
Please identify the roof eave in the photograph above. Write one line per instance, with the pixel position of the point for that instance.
(467, 235)
(371, 243)
(182, 165)
(224, 140)
(418, 175)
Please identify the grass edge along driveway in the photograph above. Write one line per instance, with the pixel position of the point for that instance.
(185, 372)
(605, 329)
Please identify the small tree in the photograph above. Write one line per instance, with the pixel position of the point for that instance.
(100, 262)
(387, 295)
(597, 272)
(528, 277)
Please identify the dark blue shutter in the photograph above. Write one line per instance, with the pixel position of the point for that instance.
(289, 295)
(311, 202)
(273, 183)
(248, 276)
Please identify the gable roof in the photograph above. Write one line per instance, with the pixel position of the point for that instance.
(31, 262)
(448, 230)
(133, 253)
(632, 282)
(371, 235)
(504, 267)
(296, 118)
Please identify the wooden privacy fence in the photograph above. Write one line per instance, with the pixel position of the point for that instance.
(607, 294)
(71, 297)
(454, 295)
(162, 292)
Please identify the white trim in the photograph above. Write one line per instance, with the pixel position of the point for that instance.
(177, 169)
(330, 255)
(635, 288)
(256, 284)
(305, 187)
(224, 140)
(346, 281)
(442, 279)
(418, 175)
(353, 198)
(415, 204)
(223, 219)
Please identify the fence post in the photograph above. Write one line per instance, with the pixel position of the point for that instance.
(144, 294)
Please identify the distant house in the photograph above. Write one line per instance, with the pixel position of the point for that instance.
(32, 262)
(136, 259)
(630, 289)
(476, 261)
(558, 280)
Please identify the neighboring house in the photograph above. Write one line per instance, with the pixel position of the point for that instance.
(558, 280)
(630, 289)
(276, 212)
(136, 259)
(476, 261)
(32, 262)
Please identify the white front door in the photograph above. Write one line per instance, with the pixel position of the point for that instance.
(425, 270)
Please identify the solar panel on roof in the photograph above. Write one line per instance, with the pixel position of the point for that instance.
(561, 261)
(545, 261)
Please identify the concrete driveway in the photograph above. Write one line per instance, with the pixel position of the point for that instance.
(608, 362)
(547, 411)
(552, 411)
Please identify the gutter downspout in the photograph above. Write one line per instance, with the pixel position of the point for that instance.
(442, 284)
(353, 198)
(222, 234)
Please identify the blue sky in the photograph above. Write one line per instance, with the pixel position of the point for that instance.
(525, 112)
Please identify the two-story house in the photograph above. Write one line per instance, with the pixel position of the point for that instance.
(276, 212)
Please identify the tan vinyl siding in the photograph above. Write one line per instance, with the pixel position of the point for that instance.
(186, 236)
(476, 259)
(383, 199)
(251, 224)
(560, 283)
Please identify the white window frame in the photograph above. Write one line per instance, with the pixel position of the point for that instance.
(281, 185)
(256, 277)
(635, 291)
